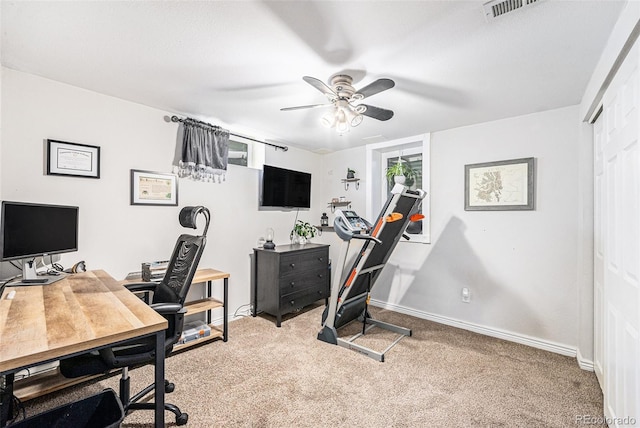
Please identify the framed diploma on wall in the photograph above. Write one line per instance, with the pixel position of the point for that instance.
(72, 159)
(153, 188)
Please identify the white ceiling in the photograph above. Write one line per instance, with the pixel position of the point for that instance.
(236, 63)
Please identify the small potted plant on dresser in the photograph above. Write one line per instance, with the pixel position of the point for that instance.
(302, 232)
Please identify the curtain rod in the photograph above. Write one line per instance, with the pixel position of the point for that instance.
(283, 148)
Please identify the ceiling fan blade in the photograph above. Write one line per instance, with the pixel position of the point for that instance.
(321, 87)
(377, 112)
(303, 107)
(374, 88)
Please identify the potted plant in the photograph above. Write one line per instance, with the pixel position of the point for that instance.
(400, 172)
(303, 231)
(350, 173)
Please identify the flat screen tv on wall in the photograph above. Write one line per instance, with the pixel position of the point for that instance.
(285, 188)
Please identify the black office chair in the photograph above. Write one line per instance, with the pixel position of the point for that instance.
(167, 299)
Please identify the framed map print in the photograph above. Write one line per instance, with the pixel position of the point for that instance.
(500, 186)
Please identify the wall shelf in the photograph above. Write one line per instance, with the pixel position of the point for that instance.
(333, 205)
(347, 181)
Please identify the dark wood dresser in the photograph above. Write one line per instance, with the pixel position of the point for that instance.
(289, 278)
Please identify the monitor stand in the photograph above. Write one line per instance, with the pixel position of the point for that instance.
(30, 275)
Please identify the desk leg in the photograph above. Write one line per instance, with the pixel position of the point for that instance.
(6, 402)
(159, 375)
(209, 295)
(225, 311)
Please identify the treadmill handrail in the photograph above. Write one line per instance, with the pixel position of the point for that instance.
(367, 237)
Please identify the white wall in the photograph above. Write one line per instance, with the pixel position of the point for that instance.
(521, 267)
(114, 235)
(334, 169)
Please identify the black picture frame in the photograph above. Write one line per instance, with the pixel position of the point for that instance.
(72, 159)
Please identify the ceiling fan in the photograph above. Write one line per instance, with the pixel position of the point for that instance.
(342, 97)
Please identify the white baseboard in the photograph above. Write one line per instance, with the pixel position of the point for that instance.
(584, 363)
(488, 331)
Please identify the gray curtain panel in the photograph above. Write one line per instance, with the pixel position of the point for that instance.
(205, 151)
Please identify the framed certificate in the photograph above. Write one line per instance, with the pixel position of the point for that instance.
(153, 188)
(73, 159)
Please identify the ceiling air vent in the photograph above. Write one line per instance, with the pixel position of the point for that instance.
(496, 8)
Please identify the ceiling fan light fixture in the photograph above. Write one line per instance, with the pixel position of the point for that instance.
(341, 94)
(353, 117)
(342, 125)
(328, 120)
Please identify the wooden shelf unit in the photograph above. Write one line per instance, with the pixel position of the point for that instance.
(45, 383)
(207, 276)
(199, 306)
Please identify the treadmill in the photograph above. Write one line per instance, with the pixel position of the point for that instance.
(350, 293)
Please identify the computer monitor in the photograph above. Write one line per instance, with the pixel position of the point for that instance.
(30, 230)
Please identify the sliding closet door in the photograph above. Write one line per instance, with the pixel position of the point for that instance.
(617, 241)
(598, 251)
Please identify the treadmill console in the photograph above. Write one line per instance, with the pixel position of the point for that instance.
(353, 221)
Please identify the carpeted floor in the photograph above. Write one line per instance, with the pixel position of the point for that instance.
(441, 376)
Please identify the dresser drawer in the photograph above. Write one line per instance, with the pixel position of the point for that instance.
(302, 262)
(297, 300)
(311, 278)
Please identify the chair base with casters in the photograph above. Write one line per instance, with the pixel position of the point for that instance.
(167, 298)
(132, 403)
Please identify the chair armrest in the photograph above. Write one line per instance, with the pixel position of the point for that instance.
(136, 287)
(168, 308)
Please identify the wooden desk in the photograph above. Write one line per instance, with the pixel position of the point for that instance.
(80, 313)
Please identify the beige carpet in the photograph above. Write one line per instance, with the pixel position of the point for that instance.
(441, 376)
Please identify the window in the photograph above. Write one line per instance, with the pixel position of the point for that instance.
(414, 152)
(412, 159)
(238, 153)
(247, 153)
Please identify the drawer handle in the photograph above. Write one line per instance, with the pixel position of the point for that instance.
(293, 302)
(319, 275)
(292, 265)
(321, 259)
(292, 283)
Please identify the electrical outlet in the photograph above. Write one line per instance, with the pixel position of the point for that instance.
(466, 295)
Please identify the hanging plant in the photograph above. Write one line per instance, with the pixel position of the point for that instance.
(400, 169)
